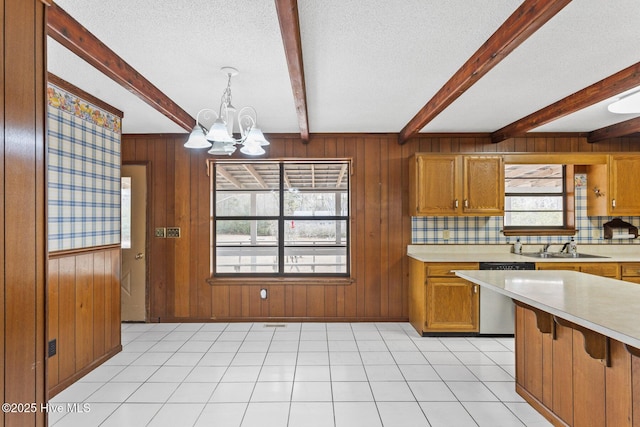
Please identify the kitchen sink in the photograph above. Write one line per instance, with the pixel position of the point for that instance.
(560, 255)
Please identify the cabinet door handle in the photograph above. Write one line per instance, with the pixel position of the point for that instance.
(455, 203)
(475, 289)
(613, 203)
(466, 203)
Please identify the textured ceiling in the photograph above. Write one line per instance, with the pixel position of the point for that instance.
(369, 66)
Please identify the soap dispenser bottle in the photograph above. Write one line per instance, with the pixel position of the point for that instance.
(517, 247)
(573, 247)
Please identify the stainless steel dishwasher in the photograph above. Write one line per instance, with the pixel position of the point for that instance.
(497, 312)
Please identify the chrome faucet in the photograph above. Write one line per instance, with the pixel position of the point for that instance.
(545, 248)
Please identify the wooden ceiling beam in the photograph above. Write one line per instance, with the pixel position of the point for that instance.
(616, 130)
(526, 20)
(290, 28)
(597, 92)
(63, 28)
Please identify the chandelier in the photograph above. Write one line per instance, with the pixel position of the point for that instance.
(219, 136)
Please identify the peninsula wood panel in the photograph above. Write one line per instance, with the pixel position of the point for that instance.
(179, 196)
(589, 404)
(22, 209)
(584, 391)
(83, 313)
(562, 374)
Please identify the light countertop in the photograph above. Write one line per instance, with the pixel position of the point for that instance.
(502, 253)
(607, 306)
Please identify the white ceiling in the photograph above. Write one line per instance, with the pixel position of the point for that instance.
(369, 66)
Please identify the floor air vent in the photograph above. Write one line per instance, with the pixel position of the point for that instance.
(275, 325)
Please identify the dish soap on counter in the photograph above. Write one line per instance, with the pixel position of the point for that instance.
(573, 247)
(517, 246)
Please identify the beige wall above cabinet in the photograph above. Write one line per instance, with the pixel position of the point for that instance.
(450, 185)
(613, 189)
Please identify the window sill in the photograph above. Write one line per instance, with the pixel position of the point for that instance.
(540, 232)
(307, 281)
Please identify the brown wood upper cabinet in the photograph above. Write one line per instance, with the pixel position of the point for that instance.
(611, 186)
(451, 185)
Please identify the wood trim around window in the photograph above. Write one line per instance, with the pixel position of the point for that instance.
(294, 280)
(280, 278)
(569, 213)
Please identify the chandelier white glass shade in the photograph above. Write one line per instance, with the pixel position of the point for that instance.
(626, 105)
(219, 137)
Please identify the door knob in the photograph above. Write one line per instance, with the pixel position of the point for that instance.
(139, 255)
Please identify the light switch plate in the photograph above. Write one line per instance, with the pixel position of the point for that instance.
(173, 232)
(161, 232)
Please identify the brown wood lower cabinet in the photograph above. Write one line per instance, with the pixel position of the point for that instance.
(441, 302)
(630, 272)
(604, 269)
(574, 376)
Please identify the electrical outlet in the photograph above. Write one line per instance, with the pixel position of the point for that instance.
(173, 232)
(161, 232)
(52, 348)
(446, 234)
(595, 233)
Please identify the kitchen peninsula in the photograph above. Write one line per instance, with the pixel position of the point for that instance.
(577, 340)
(442, 303)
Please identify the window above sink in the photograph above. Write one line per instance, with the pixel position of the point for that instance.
(539, 199)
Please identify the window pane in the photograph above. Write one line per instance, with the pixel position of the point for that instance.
(302, 176)
(247, 176)
(524, 203)
(312, 203)
(319, 232)
(315, 259)
(533, 171)
(246, 232)
(246, 259)
(533, 219)
(253, 203)
(534, 178)
(125, 212)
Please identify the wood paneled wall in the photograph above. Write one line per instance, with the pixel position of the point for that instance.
(179, 197)
(83, 293)
(22, 209)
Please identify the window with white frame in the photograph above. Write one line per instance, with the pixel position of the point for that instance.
(280, 218)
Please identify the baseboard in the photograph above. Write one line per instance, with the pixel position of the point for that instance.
(82, 372)
(276, 319)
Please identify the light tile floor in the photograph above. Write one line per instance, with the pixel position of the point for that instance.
(299, 374)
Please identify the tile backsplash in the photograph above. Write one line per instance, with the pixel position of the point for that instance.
(488, 230)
